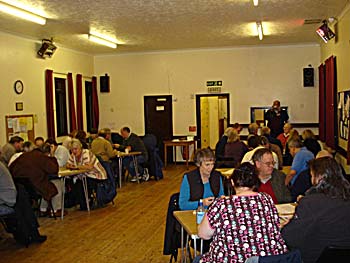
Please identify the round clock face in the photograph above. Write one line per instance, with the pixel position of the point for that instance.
(18, 87)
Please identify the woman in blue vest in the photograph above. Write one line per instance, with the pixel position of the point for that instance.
(202, 183)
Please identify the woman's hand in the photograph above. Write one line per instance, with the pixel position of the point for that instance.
(207, 201)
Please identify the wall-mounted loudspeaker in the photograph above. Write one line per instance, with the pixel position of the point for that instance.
(308, 76)
(104, 83)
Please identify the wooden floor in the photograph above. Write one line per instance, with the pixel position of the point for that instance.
(130, 231)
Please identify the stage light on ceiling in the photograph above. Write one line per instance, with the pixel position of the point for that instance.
(21, 13)
(325, 32)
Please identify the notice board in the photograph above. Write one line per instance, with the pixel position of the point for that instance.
(20, 125)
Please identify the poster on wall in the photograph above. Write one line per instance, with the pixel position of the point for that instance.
(344, 114)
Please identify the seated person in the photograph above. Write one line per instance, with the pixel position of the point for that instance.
(310, 142)
(24, 220)
(271, 180)
(13, 146)
(322, 217)
(27, 147)
(273, 148)
(253, 129)
(301, 156)
(84, 159)
(132, 142)
(102, 147)
(234, 149)
(243, 225)
(255, 143)
(62, 155)
(202, 183)
(39, 141)
(287, 157)
(283, 137)
(36, 166)
(220, 146)
(93, 135)
(266, 131)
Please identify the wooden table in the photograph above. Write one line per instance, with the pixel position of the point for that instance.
(187, 220)
(63, 173)
(177, 142)
(120, 156)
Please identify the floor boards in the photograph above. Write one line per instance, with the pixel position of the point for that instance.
(131, 231)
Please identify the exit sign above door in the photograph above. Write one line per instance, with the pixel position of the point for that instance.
(213, 83)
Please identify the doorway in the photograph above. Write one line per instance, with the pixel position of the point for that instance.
(158, 112)
(213, 117)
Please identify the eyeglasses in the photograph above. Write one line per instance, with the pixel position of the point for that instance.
(269, 163)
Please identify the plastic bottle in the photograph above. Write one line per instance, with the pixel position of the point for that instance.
(200, 211)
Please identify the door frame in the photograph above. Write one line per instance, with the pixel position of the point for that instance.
(198, 112)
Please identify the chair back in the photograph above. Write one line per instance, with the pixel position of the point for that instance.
(334, 254)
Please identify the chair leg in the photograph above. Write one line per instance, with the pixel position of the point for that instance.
(51, 210)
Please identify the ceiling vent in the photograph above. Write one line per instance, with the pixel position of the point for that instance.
(47, 49)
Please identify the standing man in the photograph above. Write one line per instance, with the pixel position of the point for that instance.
(272, 180)
(13, 146)
(276, 118)
(132, 142)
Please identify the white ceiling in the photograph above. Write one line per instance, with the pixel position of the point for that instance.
(173, 24)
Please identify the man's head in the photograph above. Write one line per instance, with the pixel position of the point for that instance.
(276, 105)
(105, 133)
(253, 128)
(52, 142)
(237, 127)
(38, 141)
(265, 131)
(253, 141)
(125, 132)
(287, 127)
(323, 153)
(17, 142)
(264, 163)
(294, 146)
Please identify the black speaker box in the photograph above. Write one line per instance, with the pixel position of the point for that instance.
(308, 76)
(104, 83)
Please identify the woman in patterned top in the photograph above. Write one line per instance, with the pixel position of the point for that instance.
(243, 225)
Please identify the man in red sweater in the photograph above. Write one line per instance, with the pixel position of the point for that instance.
(272, 180)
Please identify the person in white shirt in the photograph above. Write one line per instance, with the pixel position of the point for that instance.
(255, 143)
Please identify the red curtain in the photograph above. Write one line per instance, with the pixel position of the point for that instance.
(72, 116)
(331, 105)
(322, 101)
(80, 102)
(95, 107)
(50, 119)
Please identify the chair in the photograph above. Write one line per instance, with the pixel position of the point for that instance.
(292, 257)
(33, 194)
(6, 212)
(334, 254)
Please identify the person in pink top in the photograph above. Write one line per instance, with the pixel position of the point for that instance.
(243, 226)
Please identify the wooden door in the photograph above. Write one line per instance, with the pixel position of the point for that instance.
(158, 112)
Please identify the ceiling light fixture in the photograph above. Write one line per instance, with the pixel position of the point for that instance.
(21, 13)
(102, 41)
(256, 2)
(260, 30)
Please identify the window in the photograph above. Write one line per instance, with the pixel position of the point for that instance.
(88, 98)
(61, 106)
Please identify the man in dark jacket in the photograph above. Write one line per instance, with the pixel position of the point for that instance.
(132, 142)
(36, 166)
(276, 118)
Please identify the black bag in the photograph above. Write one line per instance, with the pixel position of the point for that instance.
(106, 189)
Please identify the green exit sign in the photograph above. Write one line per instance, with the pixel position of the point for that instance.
(213, 83)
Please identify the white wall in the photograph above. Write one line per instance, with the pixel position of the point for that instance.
(254, 76)
(18, 61)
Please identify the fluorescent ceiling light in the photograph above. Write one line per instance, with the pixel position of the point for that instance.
(256, 2)
(21, 13)
(102, 41)
(260, 30)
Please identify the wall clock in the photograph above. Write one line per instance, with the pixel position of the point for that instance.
(18, 87)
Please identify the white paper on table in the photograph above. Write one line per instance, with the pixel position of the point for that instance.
(285, 209)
